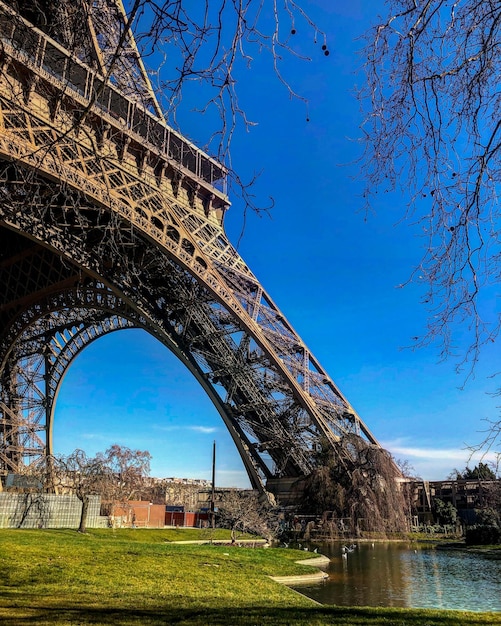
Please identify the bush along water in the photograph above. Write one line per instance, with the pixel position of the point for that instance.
(487, 530)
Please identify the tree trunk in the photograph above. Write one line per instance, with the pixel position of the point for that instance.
(83, 515)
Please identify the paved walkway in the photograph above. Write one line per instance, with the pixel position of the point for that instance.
(298, 579)
(223, 542)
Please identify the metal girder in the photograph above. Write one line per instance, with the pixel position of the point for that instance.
(37, 364)
(108, 218)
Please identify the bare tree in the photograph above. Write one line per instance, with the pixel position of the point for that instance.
(492, 438)
(125, 474)
(206, 49)
(82, 475)
(116, 475)
(245, 511)
(406, 469)
(432, 132)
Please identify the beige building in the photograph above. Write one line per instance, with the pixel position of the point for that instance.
(464, 495)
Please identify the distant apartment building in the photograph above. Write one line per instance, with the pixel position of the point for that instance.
(183, 491)
(464, 495)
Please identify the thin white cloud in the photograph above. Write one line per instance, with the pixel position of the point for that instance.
(195, 428)
(436, 463)
(203, 429)
(430, 453)
(457, 454)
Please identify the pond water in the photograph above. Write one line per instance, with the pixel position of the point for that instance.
(404, 575)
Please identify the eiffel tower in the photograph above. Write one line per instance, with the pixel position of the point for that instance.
(109, 219)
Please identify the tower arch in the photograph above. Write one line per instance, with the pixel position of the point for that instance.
(110, 215)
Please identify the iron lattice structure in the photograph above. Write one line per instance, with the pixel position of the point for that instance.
(110, 219)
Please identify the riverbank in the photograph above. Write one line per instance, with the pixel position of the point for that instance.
(493, 551)
(318, 562)
(130, 577)
(448, 543)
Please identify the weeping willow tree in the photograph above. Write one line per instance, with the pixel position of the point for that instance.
(356, 481)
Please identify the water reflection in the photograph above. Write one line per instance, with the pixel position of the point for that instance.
(396, 574)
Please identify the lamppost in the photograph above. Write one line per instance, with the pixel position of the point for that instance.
(212, 506)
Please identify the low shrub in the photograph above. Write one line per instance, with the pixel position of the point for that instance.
(483, 535)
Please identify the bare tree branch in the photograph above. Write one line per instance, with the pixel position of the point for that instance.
(432, 133)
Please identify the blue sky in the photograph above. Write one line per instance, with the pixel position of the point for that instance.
(331, 271)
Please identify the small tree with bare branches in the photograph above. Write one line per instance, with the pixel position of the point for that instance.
(126, 470)
(82, 475)
(246, 511)
(115, 475)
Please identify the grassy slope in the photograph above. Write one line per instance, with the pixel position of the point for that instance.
(138, 577)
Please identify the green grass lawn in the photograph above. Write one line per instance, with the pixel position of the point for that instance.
(137, 577)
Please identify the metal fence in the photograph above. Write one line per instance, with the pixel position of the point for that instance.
(38, 510)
